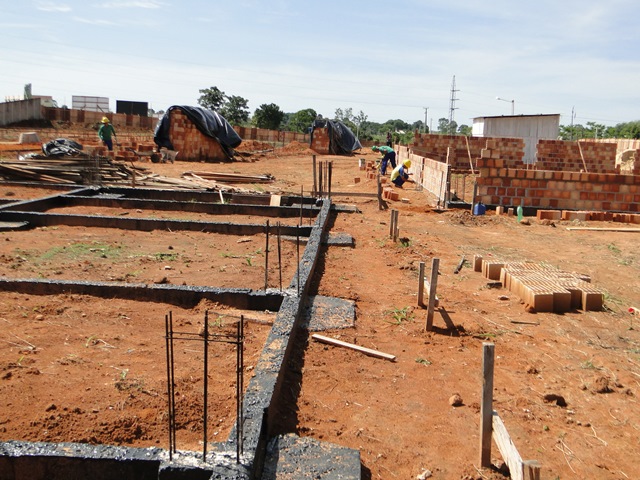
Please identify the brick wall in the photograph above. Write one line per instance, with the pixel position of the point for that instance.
(87, 117)
(559, 155)
(454, 147)
(431, 174)
(498, 185)
(271, 136)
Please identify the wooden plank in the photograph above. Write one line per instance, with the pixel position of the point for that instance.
(507, 448)
(486, 406)
(366, 351)
(605, 229)
(421, 285)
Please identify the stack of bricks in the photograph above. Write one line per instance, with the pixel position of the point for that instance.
(570, 215)
(388, 193)
(192, 144)
(498, 185)
(544, 288)
(320, 141)
(559, 155)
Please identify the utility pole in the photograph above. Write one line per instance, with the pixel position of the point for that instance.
(573, 115)
(426, 111)
(452, 104)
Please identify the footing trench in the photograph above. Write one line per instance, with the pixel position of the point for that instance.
(264, 455)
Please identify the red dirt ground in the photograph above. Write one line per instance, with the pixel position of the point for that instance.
(77, 368)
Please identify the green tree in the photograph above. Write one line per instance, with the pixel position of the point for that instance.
(235, 110)
(464, 130)
(359, 120)
(447, 127)
(302, 120)
(268, 116)
(212, 98)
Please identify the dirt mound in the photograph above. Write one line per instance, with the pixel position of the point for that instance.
(294, 148)
(253, 146)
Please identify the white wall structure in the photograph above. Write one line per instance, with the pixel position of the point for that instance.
(91, 104)
(530, 128)
(12, 112)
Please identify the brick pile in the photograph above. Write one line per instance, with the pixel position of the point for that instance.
(192, 144)
(498, 185)
(559, 155)
(570, 215)
(542, 287)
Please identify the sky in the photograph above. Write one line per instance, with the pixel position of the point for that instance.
(390, 60)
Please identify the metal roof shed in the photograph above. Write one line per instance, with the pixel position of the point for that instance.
(530, 128)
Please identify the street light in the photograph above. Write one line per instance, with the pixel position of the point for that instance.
(513, 104)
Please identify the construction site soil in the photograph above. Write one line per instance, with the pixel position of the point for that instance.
(83, 369)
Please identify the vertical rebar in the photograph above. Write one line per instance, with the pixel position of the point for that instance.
(205, 386)
(169, 403)
(239, 387)
(298, 254)
(329, 178)
(172, 383)
(279, 256)
(320, 171)
(266, 258)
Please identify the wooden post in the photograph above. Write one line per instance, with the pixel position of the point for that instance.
(320, 178)
(315, 184)
(329, 178)
(392, 226)
(421, 285)
(435, 265)
(475, 193)
(486, 407)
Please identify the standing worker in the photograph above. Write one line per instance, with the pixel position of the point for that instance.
(401, 173)
(389, 157)
(105, 132)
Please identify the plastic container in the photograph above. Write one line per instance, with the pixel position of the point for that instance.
(519, 213)
(479, 209)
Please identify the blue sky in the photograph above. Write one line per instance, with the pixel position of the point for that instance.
(387, 59)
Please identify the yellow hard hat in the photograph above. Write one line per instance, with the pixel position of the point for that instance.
(105, 120)
(407, 163)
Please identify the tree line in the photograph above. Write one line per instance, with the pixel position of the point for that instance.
(235, 110)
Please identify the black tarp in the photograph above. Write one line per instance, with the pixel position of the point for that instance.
(209, 122)
(60, 147)
(342, 141)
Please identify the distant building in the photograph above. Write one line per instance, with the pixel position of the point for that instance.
(530, 128)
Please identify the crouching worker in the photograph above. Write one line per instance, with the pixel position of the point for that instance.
(400, 174)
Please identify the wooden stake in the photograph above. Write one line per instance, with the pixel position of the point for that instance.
(486, 407)
(421, 285)
(433, 284)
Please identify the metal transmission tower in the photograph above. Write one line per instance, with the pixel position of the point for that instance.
(452, 106)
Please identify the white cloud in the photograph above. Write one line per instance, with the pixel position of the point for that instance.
(149, 4)
(53, 7)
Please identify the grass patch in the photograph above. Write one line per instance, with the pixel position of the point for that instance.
(423, 361)
(77, 251)
(400, 315)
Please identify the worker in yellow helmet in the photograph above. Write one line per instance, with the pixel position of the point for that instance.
(400, 174)
(105, 132)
